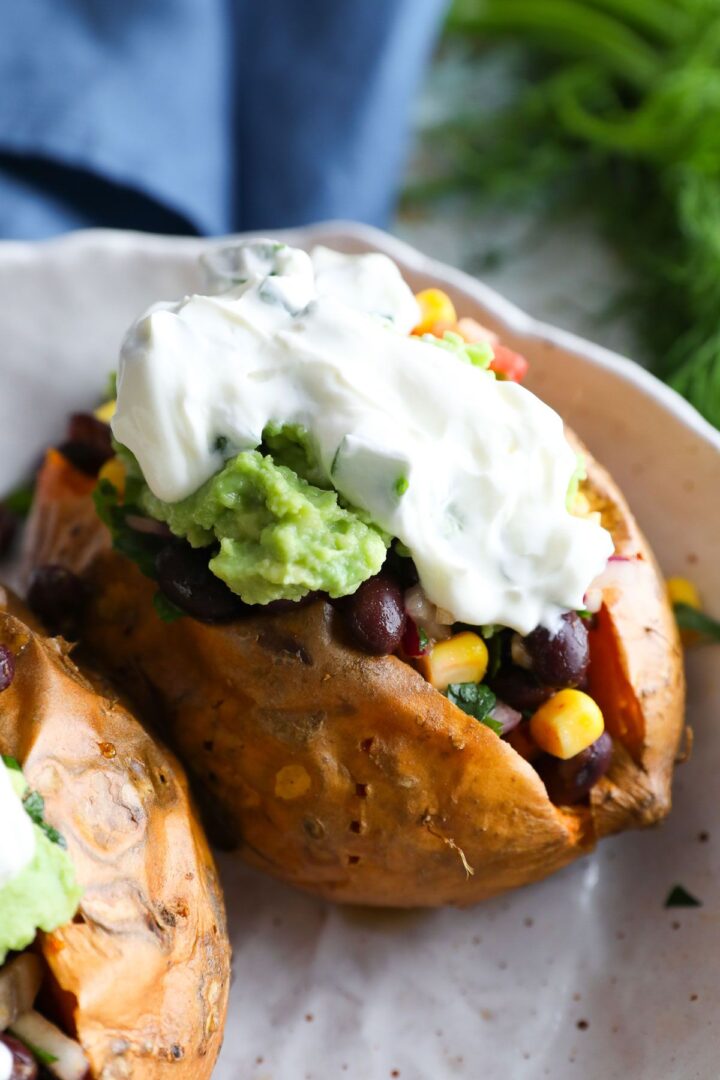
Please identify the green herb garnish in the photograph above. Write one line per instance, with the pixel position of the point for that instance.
(477, 700)
(689, 618)
(141, 548)
(612, 108)
(423, 639)
(20, 500)
(34, 805)
(680, 897)
(165, 609)
(401, 485)
(35, 808)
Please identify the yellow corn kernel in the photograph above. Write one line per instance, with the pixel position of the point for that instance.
(682, 591)
(567, 724)
(462, 658)
(106, 411)
(435, 307)
(114, 471)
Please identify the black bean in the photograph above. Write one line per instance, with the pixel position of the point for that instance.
(88, 444)
(7, 667)
(520, 689)
(9, 523)
(24, 1064)
(57, 597)
(375, 615)
(560, 659)
(184, 576)
(568, 782)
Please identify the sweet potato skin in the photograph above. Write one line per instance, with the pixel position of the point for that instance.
(142, 974)
(348, 775)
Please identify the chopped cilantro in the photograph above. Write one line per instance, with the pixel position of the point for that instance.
(20, 500)
(680, 897)
(495, 653)
(423, 639)
(34, 805)
(479, 354)
(35, 808)
(477, 700)
(689, 618)
(585, 614)
(401, 485)
(165, 609)
(141, 548)
(111, 387)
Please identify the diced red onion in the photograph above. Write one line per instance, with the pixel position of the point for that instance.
(424, 614)
(509, 718)
(148, 525)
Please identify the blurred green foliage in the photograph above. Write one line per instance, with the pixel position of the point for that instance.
(616, 109)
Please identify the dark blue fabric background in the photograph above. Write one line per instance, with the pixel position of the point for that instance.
(205, 116)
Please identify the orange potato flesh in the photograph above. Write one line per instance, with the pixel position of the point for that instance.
(394, 795)
(141, 975)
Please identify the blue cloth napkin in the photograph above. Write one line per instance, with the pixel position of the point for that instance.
(205, 116)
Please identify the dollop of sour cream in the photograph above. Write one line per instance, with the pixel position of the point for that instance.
(470, 473)
(17, 836)
(7, 1063)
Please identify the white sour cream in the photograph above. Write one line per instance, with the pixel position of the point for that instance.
(469, 472)
(6, 1063)
(370, 282)
(17, 836)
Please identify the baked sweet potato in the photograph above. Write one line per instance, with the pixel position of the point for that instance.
(141, 976)
(348, 775)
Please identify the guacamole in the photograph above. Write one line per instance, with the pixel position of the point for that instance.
(44, 895)
(280, 537)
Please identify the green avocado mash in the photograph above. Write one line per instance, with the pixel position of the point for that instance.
(44, 895)
(280, 537)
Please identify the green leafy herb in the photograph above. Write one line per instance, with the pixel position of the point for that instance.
(401, 485)
(111, 386)
(165, 609)
(585, 614)
(495, 652)
(20, 500)
(423, 639)
(613, 108)
(689, 618)
(34, 805)
(479, 354)
(477, 700)
(141, 548)
(35, 808)
(680, 897)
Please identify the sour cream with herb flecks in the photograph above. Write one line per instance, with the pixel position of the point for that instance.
(470, 473)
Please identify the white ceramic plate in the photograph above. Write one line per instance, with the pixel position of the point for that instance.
(585, 975)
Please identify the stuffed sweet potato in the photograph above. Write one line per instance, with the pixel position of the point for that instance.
(140, 975)
(374, 638)
(348, 774)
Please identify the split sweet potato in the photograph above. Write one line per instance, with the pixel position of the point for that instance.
(348, 775)
(141, 976)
